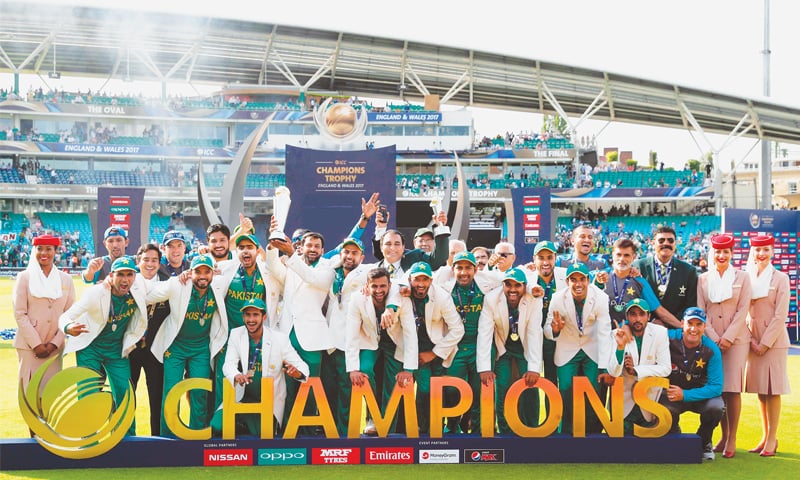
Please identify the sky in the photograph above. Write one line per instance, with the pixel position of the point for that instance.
(709, 44)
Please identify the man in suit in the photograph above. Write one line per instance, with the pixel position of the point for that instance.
(368, 337)
(192, 334)
(149, 260)
(512, 318)
(243, 278)
(439, 329)
(579, 323)
(673, 280)
(350, 276)
(389, 247)
(105, 324)
(306, 280)
(640, 351)
(467, 288)
(544, 279)
(255, 352)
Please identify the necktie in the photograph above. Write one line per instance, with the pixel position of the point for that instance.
(391, 269)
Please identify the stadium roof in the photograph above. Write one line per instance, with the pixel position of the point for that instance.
(78, 41)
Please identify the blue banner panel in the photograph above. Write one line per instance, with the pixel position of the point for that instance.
(407, 117)
(120, 206)
(532, 220)
(26, 454)
(781, 224)
(327, 188)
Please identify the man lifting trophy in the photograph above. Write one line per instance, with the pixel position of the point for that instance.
(280, 206)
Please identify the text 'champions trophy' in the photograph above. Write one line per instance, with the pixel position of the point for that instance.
(280, 206)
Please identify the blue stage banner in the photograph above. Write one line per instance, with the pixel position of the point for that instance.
(409, 117)
(784, 226)
(531, 220)
(122, 207)
(327, 188)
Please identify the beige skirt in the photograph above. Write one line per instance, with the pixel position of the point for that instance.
(733, 367)
(767, 374)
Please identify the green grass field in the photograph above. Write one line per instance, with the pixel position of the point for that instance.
(743, 466)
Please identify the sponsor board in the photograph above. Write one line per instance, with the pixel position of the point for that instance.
(282, 456)
(438, 456)
(389, 455)
(117, 201)
(227, 457)
(484, 456)
(335, 456)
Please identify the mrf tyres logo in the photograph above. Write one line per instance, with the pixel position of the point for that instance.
(335, 456)
(74, 415)
(389, 455)
(282, 456)
(484, 456)
(227, 457)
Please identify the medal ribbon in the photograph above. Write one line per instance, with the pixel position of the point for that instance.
(662, 273)
(113, 318)
(513, 323)
(251, 367)
(461, 310)
(618, 295)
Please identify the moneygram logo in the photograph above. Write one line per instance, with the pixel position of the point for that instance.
(484, 456)
(74, 415)
(389, 455)
(282, 456)
(438, 456)
(227, 457)
(335, 456)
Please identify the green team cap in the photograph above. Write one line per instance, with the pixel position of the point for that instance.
(465, 256)
(250, 237)
(353, 241)
(638, 302)
(423, 231)
(544, 245)
(202, 260)
(578, 268)
(420, 268)
(254, 302)
(124, 263)
(516, 275)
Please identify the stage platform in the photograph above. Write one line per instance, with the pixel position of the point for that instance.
(26, 454)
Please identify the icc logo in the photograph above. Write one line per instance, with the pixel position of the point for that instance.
(73, 416)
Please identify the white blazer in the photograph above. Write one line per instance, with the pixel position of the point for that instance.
(485, 281)
(304, 292)
(275, 349)
(494, 320)
(92, 310)
(271, 284)
(594, 340)
(361, 332)
(337, 310)
(443, 324)
(655, 361)
(559, 273)
(178, 296)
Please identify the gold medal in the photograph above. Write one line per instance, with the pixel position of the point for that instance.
(113, 327)
(514, 337)
(688, 377)
(662, 289)
(251, 372)
(202, 322)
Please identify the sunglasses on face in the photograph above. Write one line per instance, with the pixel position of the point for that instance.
(666, 240)
(505, 255)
